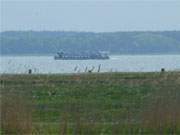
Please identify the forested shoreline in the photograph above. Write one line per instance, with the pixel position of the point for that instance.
(49, 42)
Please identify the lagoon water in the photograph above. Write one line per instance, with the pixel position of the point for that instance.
(116, 63)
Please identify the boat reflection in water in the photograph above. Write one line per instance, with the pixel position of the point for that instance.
(81, 56)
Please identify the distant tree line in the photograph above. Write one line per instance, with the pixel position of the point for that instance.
(49, 42)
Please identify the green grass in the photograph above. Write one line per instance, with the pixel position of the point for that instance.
(111, 103)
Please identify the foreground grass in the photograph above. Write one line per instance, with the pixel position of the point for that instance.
(111, 103)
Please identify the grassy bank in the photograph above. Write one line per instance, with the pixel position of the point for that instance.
(111, 104)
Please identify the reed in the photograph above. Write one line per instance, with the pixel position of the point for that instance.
(16, 114)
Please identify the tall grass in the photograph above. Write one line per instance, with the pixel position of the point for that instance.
(92, 104)
(16, 114)
(162, 112)
(64, 124)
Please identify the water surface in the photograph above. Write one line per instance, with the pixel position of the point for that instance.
(117, 63)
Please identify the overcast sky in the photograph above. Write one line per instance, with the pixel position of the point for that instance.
(94, 15)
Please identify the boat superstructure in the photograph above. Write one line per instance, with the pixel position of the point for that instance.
(81, 55)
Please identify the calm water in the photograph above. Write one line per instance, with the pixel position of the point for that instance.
(121, 63)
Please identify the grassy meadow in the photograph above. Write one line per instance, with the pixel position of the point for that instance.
(91, 104)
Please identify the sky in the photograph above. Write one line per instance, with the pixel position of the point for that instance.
(86, 15)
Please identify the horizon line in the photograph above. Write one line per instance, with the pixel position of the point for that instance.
(79, 31)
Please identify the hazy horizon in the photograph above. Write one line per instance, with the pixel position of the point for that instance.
(90, 16)
(96, 32)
